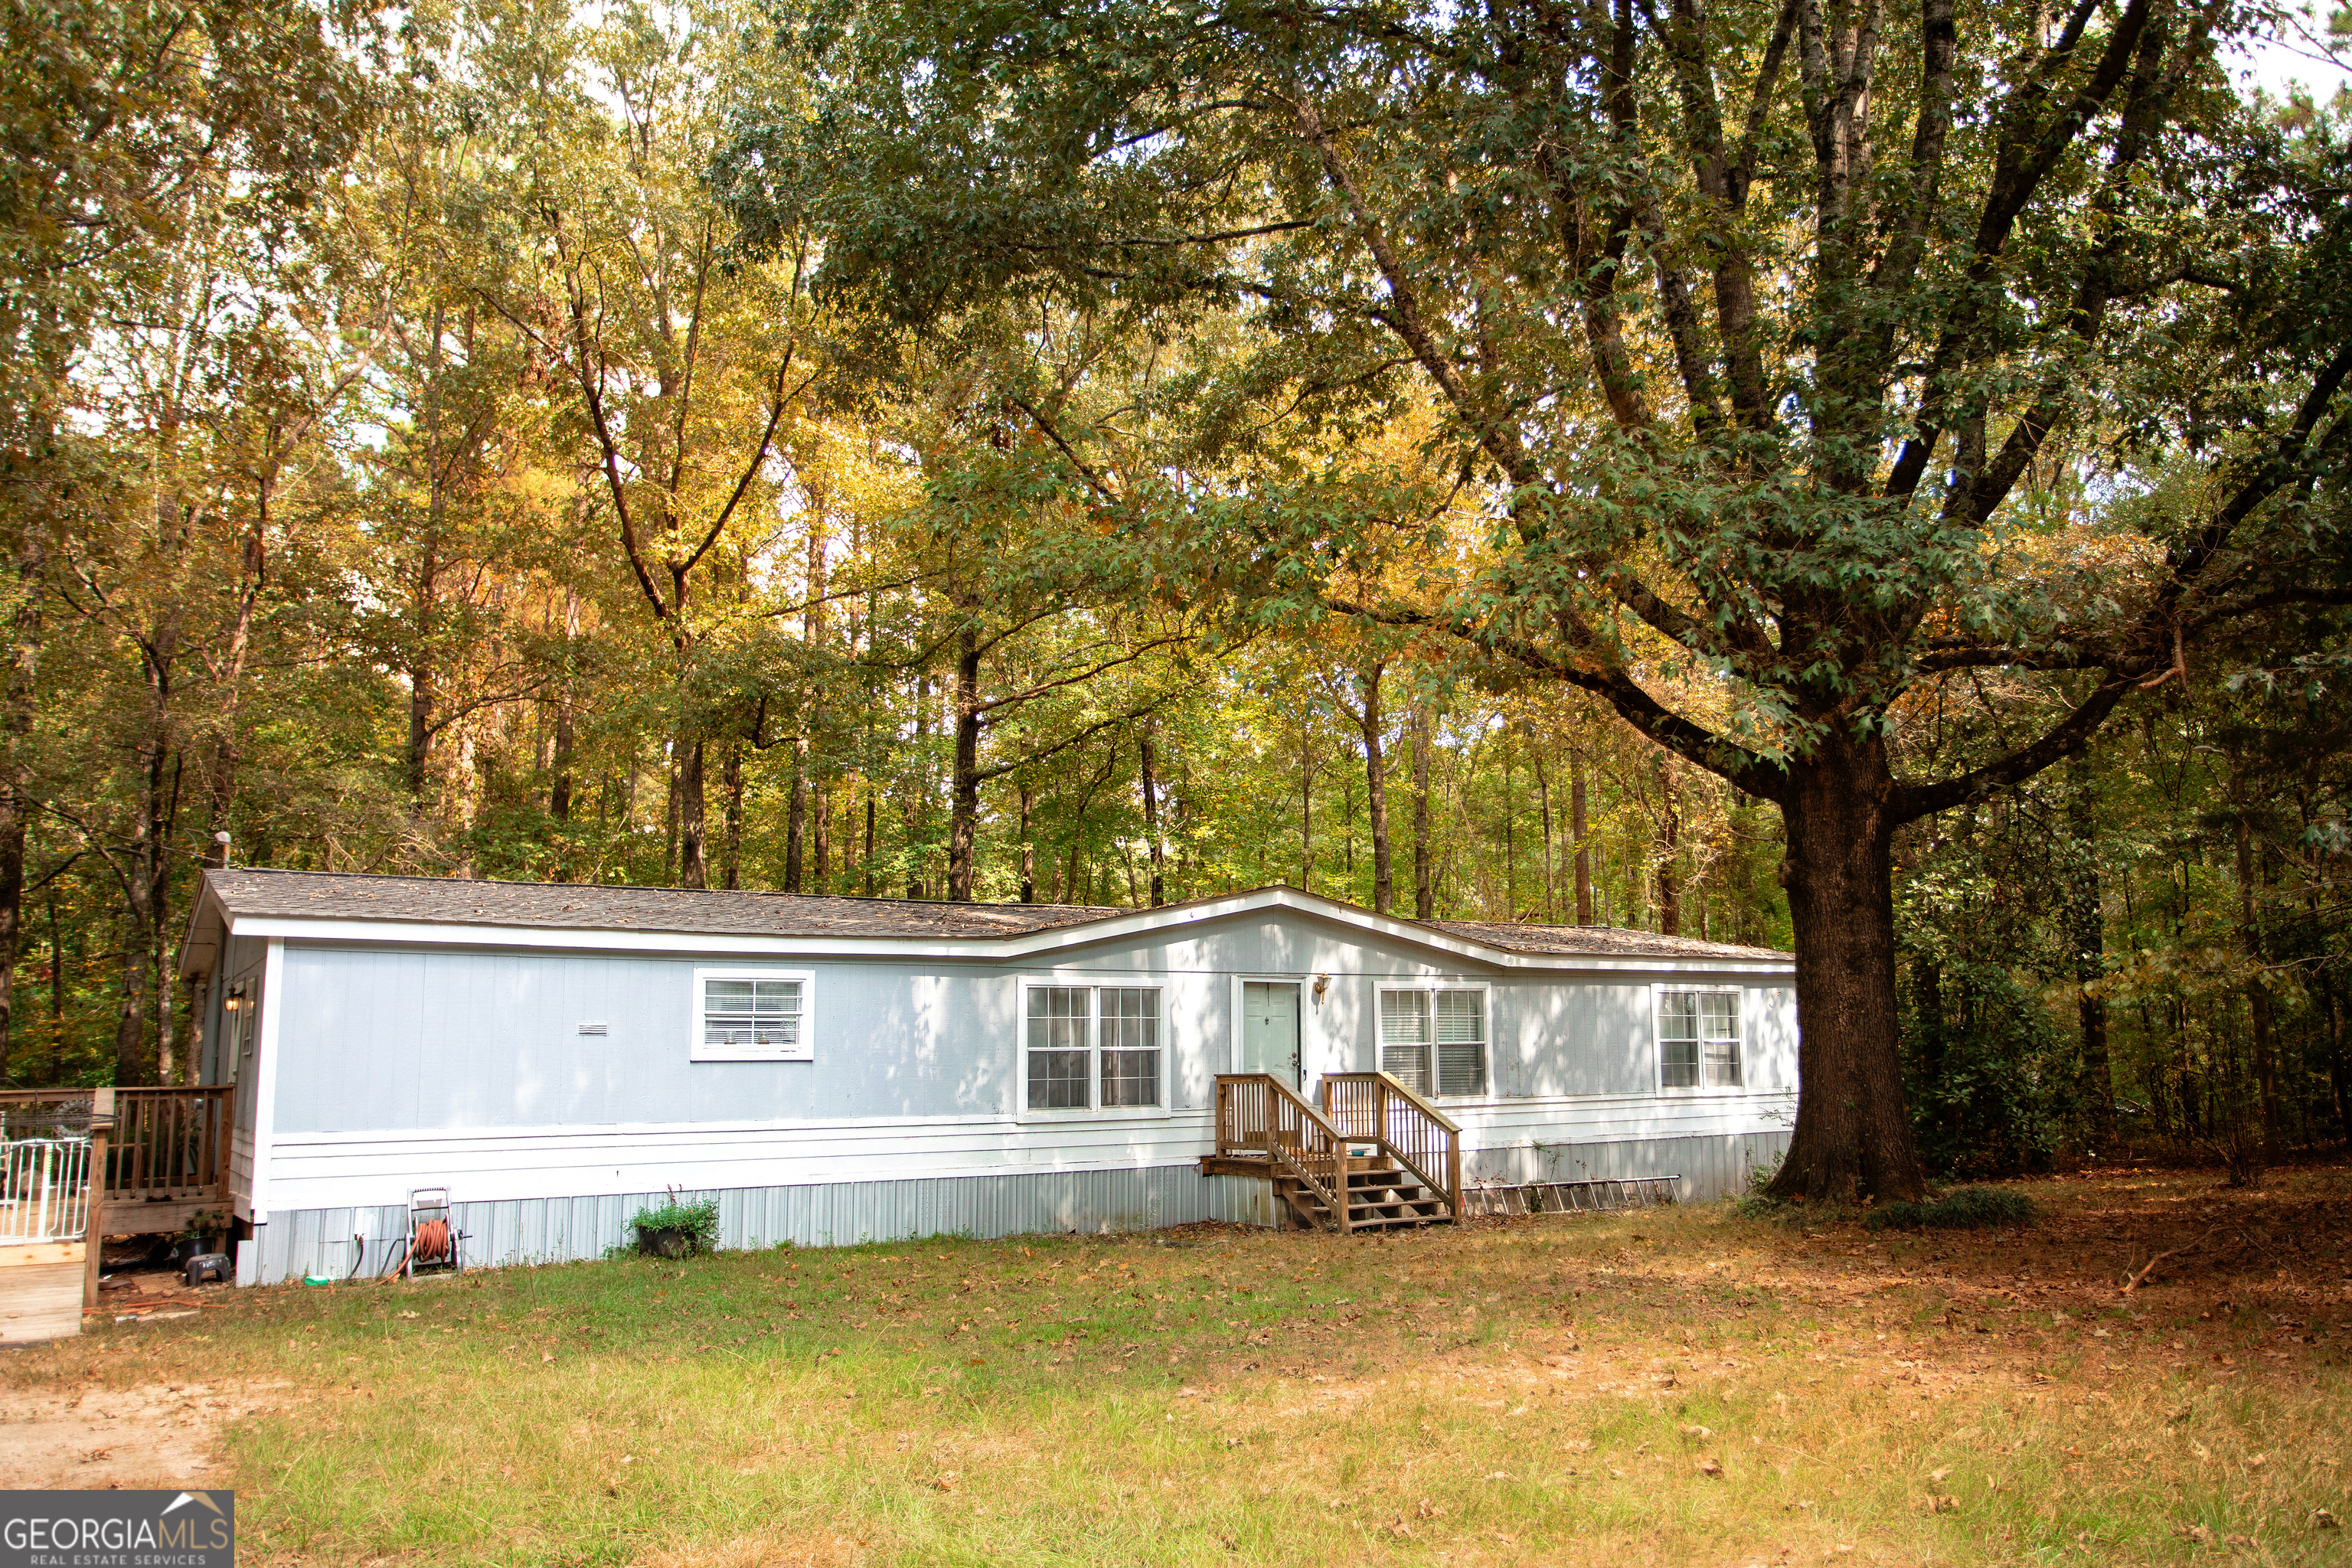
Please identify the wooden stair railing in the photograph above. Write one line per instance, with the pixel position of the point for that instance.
(1260, 1116)
(1375, 1108)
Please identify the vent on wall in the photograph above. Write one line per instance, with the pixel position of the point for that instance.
(595, 1029)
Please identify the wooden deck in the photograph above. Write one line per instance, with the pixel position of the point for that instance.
(165, 1151)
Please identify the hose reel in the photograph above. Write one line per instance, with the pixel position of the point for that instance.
(433, 1236)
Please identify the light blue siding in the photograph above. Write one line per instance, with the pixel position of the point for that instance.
(376, 1039)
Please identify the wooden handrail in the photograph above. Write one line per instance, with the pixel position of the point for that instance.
(1429, 1141)
(1257, 1112)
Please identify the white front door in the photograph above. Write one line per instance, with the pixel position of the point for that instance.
(1270, 1028)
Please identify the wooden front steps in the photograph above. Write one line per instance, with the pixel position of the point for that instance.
(1372, 1156)
(1379, 1198)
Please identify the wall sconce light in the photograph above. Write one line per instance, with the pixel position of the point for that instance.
(1322, 984)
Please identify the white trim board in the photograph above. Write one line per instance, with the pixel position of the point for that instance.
(264, 1086)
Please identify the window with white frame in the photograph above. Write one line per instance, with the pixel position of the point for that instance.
(753, 1015)
(1433, 1039)
(1090, 1047)
(1698, 1040)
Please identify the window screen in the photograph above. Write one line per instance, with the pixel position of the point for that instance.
(751, 1013)
(1698, 1040)
(1404, 1038)
(1130, 1046)
(1461, 1042)
(1058, 1054)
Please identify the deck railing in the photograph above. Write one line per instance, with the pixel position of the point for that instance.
(165, 1145)
(1259, 1115)
(44, 1189)
(1375, 1108)
(170, 1144)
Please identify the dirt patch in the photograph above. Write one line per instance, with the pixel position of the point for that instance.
(92, 1439)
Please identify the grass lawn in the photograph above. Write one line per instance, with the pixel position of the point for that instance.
(1676, 1385)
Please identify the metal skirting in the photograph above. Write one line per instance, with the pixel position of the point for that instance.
(319, 1242)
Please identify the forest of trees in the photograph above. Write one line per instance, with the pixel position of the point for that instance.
(1474, 465)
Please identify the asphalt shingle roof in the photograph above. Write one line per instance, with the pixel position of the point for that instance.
(337, 894)
(583, 907)
(1598, 941)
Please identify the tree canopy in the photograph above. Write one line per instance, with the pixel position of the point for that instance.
(1793, 474)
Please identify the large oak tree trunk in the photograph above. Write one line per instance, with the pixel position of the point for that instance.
(1853, 1137)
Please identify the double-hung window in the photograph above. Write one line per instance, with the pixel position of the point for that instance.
(1093, 1048)
(753, 1015)
(1698, 1040)
(1433, 1039)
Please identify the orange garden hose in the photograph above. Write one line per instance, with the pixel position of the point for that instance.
(432, 1243)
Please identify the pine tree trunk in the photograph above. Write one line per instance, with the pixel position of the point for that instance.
(1852, 1135)
(131, 1019)
(1670, 833)
(2339, 1071)
(18, 690)
(732, 782)
(1306, 801)
(1028, 844)
(1510, 839)
(1424, 890)
(1150, 786)
(1576, 829)
(796, 818)
(820, 833)
(2087, 928)
(1543, 805)
(963, 823)
(1376, 791)
(918, 782)
(559, 793)
(2258, 995)
(693, 868)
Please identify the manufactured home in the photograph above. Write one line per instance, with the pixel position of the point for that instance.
(836, 1070)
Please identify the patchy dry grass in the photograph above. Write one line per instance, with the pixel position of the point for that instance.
(1668, 1387)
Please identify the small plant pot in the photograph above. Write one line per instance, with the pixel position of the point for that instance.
(188, 1246)
(665, 1242)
